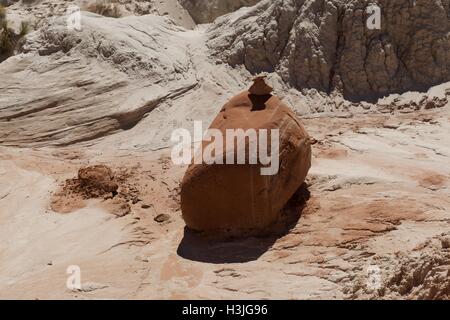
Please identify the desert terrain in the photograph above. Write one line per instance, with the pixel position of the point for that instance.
(372, 220)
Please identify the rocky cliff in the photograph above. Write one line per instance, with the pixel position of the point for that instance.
(327, 45)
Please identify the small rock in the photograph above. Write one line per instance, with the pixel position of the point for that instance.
(136, 200)
(119, 208)
(390, 124)
(99, 177)
(92, 286)
(333, 187)
(162, 217)
(445, 241)
(145, 206)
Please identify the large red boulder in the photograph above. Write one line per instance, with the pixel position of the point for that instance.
(239, 199)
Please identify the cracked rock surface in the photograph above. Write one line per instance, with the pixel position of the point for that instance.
(326, 44)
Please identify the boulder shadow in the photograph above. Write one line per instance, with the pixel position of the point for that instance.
(198, 247)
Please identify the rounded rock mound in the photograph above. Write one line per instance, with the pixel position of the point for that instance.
(98, 177)
(263, 159)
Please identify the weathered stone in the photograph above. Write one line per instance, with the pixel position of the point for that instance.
(99, 177)
(327, 45)
(237, 198)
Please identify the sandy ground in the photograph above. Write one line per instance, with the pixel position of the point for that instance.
(379, 195)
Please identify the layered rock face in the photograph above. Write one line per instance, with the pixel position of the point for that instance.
(327, 45)
(83, 85)
(236, 199)
(206, 11)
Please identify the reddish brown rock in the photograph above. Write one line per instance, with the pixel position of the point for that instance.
(236, 198)
(99, 177)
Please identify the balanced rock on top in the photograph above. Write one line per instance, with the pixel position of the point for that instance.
(240, 192)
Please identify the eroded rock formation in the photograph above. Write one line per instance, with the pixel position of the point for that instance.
(327, 45)
(82, 85)
(238, 198)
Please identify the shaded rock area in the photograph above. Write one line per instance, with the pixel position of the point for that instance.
(207, 11)
(247, 197)
(327, 45)
(376, 197)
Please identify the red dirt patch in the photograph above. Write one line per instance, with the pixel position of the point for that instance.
(96, 182)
